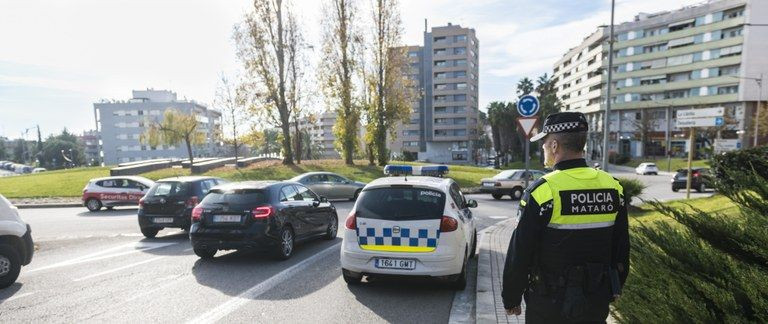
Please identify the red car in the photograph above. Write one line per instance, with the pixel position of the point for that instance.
(115, 191)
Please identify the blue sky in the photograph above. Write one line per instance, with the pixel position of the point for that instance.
(59, 57)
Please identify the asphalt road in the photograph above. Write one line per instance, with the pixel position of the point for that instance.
(659, 187)
(97, 267)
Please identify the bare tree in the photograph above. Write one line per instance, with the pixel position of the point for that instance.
(232, 104)
(265, 41)
(176, 127)
(393, 91)
(341, 42)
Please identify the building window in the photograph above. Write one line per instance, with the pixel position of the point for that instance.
(440, 39)
(441, 63)
(731, 32)
(441, 75)
(459, 156)
(443, 86)
(728, 89)
(441, 51)
(682, 25)
(682, 76)
(730, 51)
(728, 70)
(413, 54)
(655, 48)
(674, 94)
(460, 50)
(461, 85)
(733, 13)
(460, 74)
(460, 38)
(681, 42)
(461, 62)
(679, 60)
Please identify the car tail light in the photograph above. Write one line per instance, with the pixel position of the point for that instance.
(448, 224)
(262, 212)
(696, 173)
(197, 214)
(351, 221)
(141, 203)
(192, 202)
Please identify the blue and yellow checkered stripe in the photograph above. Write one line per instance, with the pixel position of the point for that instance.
(407, 240)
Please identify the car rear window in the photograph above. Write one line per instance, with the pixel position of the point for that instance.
(170, 188)
(236, 197)
(506, 175)
(650, 165)
(401, 203)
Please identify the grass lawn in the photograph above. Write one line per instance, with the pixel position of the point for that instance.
(59, 183)
(676, 163)
(717, 203)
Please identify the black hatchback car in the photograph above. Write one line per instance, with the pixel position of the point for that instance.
(170, 201)
(260, 215)
(699, 181)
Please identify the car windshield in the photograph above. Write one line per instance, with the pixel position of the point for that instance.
(413, 203)
(650, 165)
(169, 188)
(236, 197)
(506, 174)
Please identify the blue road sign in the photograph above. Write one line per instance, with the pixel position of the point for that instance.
(719, 121)
(528, 106)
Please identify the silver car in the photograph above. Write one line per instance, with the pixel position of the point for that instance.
(330, 185)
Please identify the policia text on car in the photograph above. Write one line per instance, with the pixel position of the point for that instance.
(569, 255)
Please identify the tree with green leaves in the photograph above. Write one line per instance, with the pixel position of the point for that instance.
(524, 87)
(341, 43)
(57, 149)
(175, 128)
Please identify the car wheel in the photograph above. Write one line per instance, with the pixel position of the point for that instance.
(285, 248)
(675, 189)
(655, 173)
(357, 193)
(205, 253)
(110, 207)
(93, 204)
(472, 253)
(517, 193)
(333, 228)
(702, 187)
(496, 196)
(351, 278)
(461, 279)
(149, 232)
(10, 265)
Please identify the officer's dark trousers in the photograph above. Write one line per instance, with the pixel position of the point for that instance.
(543, 310)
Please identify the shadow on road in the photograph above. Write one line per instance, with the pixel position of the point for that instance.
(107, 212)
(388, 297)
(9, 291)
(235, 272)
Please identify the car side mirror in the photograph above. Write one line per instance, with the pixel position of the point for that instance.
(471, 203)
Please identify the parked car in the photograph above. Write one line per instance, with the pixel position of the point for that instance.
(16, 246)
(330, 185)
(38, 170)
(699, 181)
(114, 191)
(260, 215)
(647, 168)
(509, 182)
(170, 201)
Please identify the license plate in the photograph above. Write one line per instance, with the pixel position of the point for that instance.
(163, 220)
(488, 184)
(226, 218)
(402, 264)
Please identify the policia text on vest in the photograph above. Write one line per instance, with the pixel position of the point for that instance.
(569, 255)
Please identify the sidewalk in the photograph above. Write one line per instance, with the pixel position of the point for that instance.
(490, 269)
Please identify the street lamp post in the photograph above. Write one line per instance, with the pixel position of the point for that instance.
(759, 82)
(606, 117)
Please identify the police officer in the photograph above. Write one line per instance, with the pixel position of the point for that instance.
(569, 255)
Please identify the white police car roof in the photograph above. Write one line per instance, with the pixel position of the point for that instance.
(442, 184)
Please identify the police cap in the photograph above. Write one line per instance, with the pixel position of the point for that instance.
(563, 122)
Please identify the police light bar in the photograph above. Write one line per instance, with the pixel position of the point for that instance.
(406, 170)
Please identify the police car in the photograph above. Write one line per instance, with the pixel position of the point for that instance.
(413, 223)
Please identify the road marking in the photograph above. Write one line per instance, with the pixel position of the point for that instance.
(118, 269)
(16, 297)
(138, 247)
(236, 302)
(498, 217)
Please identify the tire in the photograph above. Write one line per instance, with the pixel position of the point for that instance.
(497, 196)
(149, 232)
(473, 251)
(701, 188)
(655, 173)
(460, 283)
(517, 193)
(350, 278)
(285, 247)
(110, 207)
(93, 204)
(10, 265)
(333, 228)
(675, 189)
(357, 193)
(206, 254)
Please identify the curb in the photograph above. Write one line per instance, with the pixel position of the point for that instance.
(485, 307)
(30, 206)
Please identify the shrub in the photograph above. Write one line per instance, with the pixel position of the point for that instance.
(704, 266)
(632, 188)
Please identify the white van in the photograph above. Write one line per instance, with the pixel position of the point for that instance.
(16, 247)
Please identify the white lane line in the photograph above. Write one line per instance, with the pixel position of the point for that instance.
(498, 217)
(118, 269)
(16, 297)
(97, 256)
(236, 302)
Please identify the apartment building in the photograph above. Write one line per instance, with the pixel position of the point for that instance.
(121, 123)
(701, 56)
(444, 121)
(320, 130)
(91, 149)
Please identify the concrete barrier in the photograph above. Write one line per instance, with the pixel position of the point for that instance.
(185, 163)
(248, 161)
(141, 162)
(139, 168)
(200, 167)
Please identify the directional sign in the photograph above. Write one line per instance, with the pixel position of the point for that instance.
(700, 122)
(699, 113)
(527, 124)
(528, 106)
